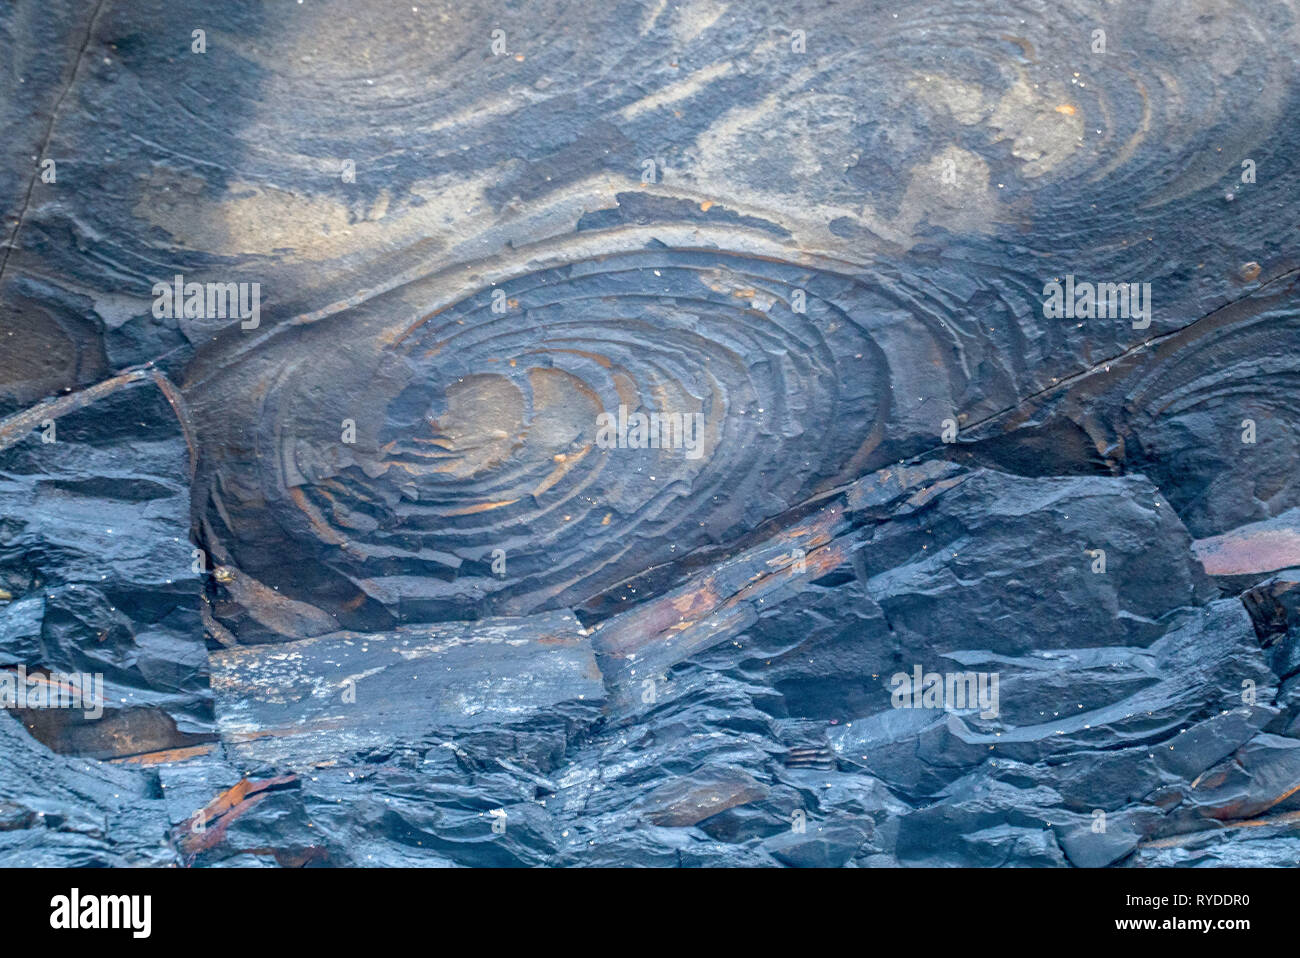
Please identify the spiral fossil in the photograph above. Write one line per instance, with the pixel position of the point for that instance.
(476, 429)
(473, 482)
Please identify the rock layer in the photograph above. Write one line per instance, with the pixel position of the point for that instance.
(827, 233)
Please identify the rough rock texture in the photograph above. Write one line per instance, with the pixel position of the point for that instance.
(95, 557)
(365, 586)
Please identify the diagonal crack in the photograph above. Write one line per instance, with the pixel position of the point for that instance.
(49, 132)
(1069, 380)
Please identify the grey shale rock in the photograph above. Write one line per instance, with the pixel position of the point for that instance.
(358, 531)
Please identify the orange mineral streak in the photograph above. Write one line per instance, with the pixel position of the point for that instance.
(167, 756)
(688, 618)
(206, 827)
(1246, 551)
(318, 523)
(1285, 819)
(479, 507)
(564, 463)
(1235, 810)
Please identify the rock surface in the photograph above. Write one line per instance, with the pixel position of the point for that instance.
(365, 586)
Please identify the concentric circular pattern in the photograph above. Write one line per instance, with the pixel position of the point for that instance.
(960, 157)
(508, 421)
(1213, 416)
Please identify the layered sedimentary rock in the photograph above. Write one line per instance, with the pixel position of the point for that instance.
(359, 532)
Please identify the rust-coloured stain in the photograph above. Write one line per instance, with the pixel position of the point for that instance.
(1285, 819)
(20, 425)
(166, 756)
(480, 507)
(1249, 550)
(206, 827)
(1251, 806)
